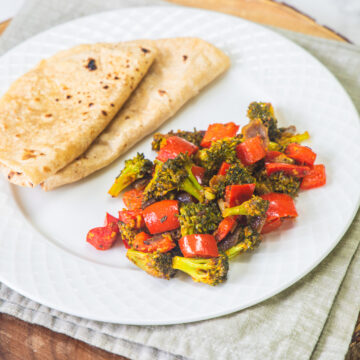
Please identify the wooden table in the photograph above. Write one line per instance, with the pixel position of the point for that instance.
(20, 340)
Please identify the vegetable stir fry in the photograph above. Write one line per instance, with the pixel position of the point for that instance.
(209, 196)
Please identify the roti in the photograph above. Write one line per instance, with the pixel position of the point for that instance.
(51, 115)
(183, 66)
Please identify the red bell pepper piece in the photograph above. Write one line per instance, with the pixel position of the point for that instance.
(315, 178)
(302, 154)
(147, 243)
(133, 199)
(224, 168)
(294, 170)
(271, 225)
(199, 173)
(251, 150)
(102, 238)
(111, 221)
(280, 206)
(174, 146)
(226, 225)
(162, 216)
(132, 216)
(217, 132)
(237, 194)
(199, 245)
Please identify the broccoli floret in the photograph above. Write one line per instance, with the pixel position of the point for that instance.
(220, 151)
(284, 183)
(128, 232)
(194, 137)
(134, 169)
(249, 240)
(199, 218)
(265, 113)
(174, 174)
(211, 271)
(156, 264)
(256, 206)
(288, 138)
(236, 174)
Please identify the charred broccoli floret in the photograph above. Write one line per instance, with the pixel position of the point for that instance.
(284, 183)
(156, 264)
(199, 218)
(174, 174)
(249, 240)
(194, 137)
(127, 232)
(211, 271)
(256, 206)
(236, 174)
(265, 113)
(220, 151)
(135, 168)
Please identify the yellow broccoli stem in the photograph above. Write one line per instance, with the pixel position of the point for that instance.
(119, 185)
(189, 187)
(237, 249)
(236, 210)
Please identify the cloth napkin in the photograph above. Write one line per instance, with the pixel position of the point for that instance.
(312, 319)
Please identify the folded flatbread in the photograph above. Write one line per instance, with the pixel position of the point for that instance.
(183, 66)
(51, 115)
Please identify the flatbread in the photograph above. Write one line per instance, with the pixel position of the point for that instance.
(183, 66)
(51, 115)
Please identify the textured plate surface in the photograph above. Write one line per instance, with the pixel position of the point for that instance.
(43, 253)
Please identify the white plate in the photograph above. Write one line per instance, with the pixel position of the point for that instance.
(43, 253)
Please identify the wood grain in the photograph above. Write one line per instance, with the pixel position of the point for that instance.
(266, 12)
(20, 340)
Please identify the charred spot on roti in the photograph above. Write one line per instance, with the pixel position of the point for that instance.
(185, 57)
(27, 156)
(127, 66)
(112, 105)
(10, 175)
(79, 102)
(127, 117)
(104, 112)
(116, 78)
(48, 115)
(91, 65)
(68, 96)
(91, 104)
(56, 99)
(137, 69)
(161, 92)
(145, 50)
(106, 87)
(17, 135)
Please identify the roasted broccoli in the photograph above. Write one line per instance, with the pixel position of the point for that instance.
(249, 240)
(256, 206)
(220, 151)
(199, 218)
(156, 264)
(284, 183)
(134, 169)
(174, 174)
(194, 137)
(265, 113)
(128, 232)
(211, 271)
(236, 174)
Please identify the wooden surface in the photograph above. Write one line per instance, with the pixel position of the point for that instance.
(20, 340)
